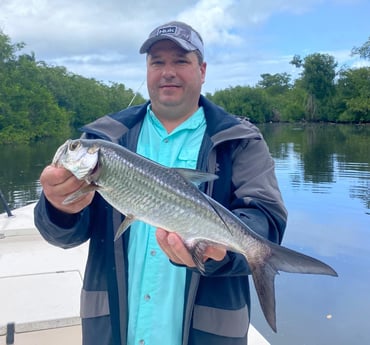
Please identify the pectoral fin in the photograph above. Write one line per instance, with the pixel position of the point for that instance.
(78, 194)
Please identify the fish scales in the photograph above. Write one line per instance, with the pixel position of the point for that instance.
(163, 204)
(169, 199)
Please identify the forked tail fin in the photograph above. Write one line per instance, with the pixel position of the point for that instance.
(281, 259)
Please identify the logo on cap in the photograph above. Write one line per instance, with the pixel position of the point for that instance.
(167, 30)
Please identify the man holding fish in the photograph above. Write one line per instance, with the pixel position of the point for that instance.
(153, 285)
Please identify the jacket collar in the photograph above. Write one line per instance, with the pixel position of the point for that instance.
(221, 126)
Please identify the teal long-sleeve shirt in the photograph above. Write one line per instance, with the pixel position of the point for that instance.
(155, 286)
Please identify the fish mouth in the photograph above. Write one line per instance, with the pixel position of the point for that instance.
(60, 153)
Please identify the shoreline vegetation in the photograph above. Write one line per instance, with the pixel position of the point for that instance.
(38, 101)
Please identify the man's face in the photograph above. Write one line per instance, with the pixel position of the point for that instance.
(174, 78)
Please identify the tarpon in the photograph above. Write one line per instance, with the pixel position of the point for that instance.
(169, 198)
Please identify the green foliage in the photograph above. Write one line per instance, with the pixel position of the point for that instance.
(315, 96)
(276, 88)
(85, 99)
(318, 75)
(363, 51)
(352, 99)
(275, 84)
(8, 50)
(297, 61)
(244, 101)
(39, 101)
(317, 80)
(292, 105)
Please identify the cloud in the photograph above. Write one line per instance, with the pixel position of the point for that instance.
(101, 39)
(214, 20)
(63, 27)
(57, 28)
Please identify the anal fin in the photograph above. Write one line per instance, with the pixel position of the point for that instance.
(129, 219)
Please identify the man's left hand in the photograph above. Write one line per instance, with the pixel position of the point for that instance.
(174, 247)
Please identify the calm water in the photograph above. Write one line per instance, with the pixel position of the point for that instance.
(324, 175)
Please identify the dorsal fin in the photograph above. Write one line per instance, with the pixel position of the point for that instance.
(196, 176)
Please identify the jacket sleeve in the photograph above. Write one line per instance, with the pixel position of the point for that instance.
(255, 199)
(59, 228)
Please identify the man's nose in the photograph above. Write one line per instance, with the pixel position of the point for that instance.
(169, 71)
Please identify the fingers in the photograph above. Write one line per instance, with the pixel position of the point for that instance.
(215, 253)
(174, 247)
(58, 183)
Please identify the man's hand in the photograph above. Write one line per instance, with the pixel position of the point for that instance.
(174, 247)
(58, 184)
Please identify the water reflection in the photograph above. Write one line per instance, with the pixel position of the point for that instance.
(324, 174)
(316, 157)
(20, 169)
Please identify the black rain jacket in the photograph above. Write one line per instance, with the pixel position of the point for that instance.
(217, 304)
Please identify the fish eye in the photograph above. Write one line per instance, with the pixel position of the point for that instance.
(74, 145)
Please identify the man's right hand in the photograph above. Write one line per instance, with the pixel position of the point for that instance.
(58, 184)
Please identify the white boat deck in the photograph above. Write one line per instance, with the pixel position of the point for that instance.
(40, 286)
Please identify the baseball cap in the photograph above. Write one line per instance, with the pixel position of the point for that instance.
(180, 33)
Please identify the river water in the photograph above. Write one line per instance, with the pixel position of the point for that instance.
(324, 175)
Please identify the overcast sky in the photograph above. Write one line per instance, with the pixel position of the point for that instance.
(243, 38)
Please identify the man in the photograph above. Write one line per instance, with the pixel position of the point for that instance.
(144, 288)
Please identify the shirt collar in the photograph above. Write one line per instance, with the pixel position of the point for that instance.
(193, 122)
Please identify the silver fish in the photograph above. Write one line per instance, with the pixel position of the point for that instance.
(169, 198)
